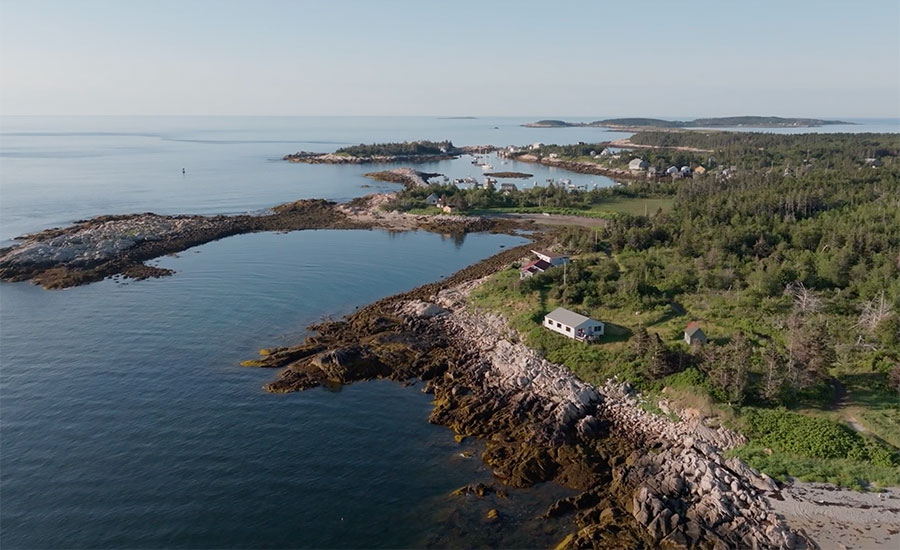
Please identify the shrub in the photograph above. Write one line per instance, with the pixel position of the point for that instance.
(812, 437)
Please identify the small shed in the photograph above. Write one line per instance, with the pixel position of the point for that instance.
(574, 325)
(700, 170)
(672, 170)
(533, 268)
(432, 199)
(693, 334)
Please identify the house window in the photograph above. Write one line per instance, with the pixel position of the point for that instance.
(558, 325)
(568, 329)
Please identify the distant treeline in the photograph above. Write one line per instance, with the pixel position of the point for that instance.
(765, 150)
(717, 122)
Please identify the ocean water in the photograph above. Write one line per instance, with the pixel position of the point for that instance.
(125, 420)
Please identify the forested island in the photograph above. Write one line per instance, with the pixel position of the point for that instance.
(718, 122)
(406, 151)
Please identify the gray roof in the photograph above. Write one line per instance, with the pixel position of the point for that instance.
(568, 318)
(549, 254)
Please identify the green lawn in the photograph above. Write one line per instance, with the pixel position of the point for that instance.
(814, 453)
(608, 209)
(427, 210)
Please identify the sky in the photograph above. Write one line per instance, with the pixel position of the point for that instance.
(480, 58)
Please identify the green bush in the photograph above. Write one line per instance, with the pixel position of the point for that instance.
(837, 471)
(805, 436)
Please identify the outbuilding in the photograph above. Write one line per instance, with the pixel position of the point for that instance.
(693, 335)
(432, 199)
(533, 268)
(574, 325)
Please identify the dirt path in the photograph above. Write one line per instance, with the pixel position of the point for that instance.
(553, 219)
(627, 144)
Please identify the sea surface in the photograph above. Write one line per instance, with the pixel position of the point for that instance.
(125, 420)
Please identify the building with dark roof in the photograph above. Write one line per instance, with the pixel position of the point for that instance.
(693, 335)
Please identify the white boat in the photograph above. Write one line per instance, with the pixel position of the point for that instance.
(487, 167)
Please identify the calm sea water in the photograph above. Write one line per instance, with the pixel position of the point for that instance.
(125, 420)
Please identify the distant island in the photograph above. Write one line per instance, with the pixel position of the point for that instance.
(719, 122)
(405, 151)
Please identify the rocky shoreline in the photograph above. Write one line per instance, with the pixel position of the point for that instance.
(332, 158)
(644, 481)
(91, 250)
(407, 177)
(307, 157)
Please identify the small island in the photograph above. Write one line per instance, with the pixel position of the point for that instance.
(509, 175)
(407, 151)
(715, 122)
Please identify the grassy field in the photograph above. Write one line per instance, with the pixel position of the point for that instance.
(427, 210)
(608, 209)
(849, 443)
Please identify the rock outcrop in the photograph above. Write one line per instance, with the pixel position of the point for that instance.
(645, 482)
(405, 176)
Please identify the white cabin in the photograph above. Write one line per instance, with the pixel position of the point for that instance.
(575, 326)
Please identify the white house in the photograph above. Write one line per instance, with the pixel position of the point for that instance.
(575, 326)
(551, 258)
(636, 165)
(432, 199)
(536, 146)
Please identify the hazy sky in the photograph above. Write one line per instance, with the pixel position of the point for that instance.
(382, 57)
